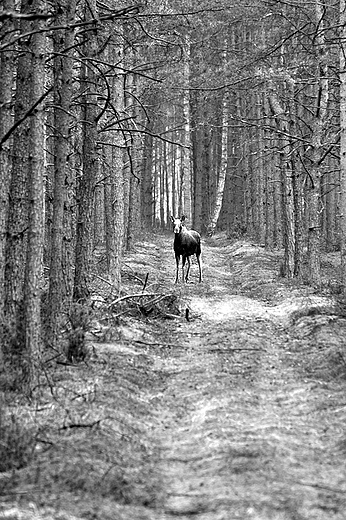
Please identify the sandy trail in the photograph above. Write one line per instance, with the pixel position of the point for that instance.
(237, 414)
(243, 434)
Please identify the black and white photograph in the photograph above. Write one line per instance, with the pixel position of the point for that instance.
(172, 260)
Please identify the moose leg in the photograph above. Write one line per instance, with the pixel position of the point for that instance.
(183, 266)
(177, 259)
(188, 269)
(200, 267)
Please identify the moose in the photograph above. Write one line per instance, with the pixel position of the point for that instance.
(186, 243)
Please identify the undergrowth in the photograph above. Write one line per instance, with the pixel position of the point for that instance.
(85, 441)
(18, 439)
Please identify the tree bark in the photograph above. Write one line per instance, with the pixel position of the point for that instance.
(63, 73)
(114, 176)
(86, 184)
(223, 169)
(7, 67)
(146, 186)
(17, 224)
(34, 257)
(318, 133)
(133, 148)
(343, 140)
(197, 166)
(286, 181)
(186, 141)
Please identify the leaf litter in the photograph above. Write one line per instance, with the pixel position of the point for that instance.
(226, 401)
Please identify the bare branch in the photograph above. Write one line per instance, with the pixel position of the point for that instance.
(14, 15)
(24, 117)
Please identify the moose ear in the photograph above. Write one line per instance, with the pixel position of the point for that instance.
(182, 218)
(172, 218)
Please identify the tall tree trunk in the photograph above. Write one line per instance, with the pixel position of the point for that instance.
(86, 185)
(6, 120)
(63, 73)
(133, 147)
(286, 181)
(108, 197)
(114, 179)
(343, 140)
(223, 169)
(247, 171)
(269, 187)
(114, 201)
(146, 185)
(197, 170)
(319, 131)
(167, 181)
(297, 185)
(162, 186)
(185, 178)
(114, 184)
(238, 177)
(17, 225)
(99, 224)
(34, 257)
(174, 182)
(260, 177)
(206, 170)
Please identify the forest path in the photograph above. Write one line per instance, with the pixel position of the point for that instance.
(236, 413)
(244, 432)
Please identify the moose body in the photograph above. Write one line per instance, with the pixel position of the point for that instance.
(186, 243)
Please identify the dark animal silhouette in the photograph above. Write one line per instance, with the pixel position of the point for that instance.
(186, 243)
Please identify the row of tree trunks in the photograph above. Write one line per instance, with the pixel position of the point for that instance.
(21, 278)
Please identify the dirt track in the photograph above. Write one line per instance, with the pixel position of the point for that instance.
(238, 413)
(245, 433)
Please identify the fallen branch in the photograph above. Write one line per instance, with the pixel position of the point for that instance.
(74, 425)
(157, 299)
(171, 316)
(320, 486)
(67, 364)
(103, 279)
(152, 344)
(137, 277)
(129, 296)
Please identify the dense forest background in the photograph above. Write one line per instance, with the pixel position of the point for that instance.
(116, 115)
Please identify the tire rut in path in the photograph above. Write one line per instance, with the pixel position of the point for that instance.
(242, 435)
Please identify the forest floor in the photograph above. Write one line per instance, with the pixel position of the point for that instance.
(223, 400)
